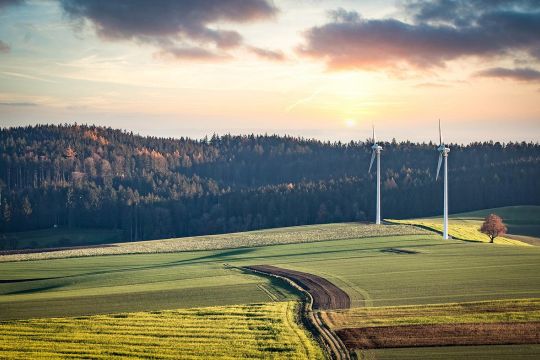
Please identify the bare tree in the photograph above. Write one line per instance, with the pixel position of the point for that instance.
(493, 226)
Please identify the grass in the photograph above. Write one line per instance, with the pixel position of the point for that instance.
(290, 235)
(250, 331)
(59, 237)
(376, 271)
(515, 310)
(438, 272)
(520, 220)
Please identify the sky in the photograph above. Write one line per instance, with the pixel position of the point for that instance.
(320, 69)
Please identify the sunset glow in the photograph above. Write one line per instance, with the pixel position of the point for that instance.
(323, 69)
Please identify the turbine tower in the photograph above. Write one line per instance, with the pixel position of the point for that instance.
(377, 151)
(443, 153)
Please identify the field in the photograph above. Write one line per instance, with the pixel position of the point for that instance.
(472, 323)
(414, 268)
(250, 331)
(452, 313)
(60, 237)
(290, 235)
(523, 224)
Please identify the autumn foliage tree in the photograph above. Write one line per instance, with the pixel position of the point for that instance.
(493, 226)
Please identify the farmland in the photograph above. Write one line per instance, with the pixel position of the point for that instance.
(416, 268)
(290, 235)
(523, 225)
(248, 331)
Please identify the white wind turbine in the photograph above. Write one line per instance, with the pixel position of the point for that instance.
(377, 151)
(443, 153)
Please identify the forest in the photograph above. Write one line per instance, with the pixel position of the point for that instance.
(88, 177)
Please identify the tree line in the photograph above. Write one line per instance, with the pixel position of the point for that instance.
(81, 176)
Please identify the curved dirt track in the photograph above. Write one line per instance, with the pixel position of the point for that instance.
(326, 296)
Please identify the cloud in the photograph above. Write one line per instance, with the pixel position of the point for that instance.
(267, 54)
(4, 48)
(18, 104)
(435, 36)
(190, 54)
(520, 74)
(6, 3)
(177, 27)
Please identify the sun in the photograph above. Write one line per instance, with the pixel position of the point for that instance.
(350, 123)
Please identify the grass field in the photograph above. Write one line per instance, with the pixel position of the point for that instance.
(433, 271)
(60, 237)
(375, 271)
(522, 221)
(290, 235)
(453, 313)
(259, 331)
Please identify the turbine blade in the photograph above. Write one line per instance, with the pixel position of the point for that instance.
(440, 133)
(374, 139)
(371, 163)
(438, 167)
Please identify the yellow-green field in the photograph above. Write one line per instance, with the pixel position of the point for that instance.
(259, 331)
(514, 310)
(461, 229)
(523, 224)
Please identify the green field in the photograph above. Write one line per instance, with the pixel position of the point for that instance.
(523, 224)
(416, 268)
(60, 237)
(368, 269)
(289, 235)
(250, 331)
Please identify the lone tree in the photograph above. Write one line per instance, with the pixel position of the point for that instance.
(493, 226)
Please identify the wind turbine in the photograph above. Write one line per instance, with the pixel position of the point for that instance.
(377, 151)
(443, 153)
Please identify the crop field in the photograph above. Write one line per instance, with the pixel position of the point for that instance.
(471, 323)
(258, 331)
(372, 271)
(523, 224)
(290, 235)
(377, 271)
(515, 310)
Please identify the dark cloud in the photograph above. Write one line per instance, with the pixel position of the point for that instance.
(170, 23)
(5, 3)
(441, 31)
(461, 12)
(267, 54)
(4, 48)
(520, 74)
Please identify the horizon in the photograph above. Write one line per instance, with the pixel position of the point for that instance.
(367, 140)
(325, 70)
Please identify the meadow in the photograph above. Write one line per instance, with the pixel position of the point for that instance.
(289, 235)
(523, 224)
(258, 331)
(415, 268)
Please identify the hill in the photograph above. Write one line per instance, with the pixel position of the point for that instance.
(87, 177)
(391, 277)
(523, 224)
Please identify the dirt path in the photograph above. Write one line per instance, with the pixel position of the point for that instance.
(326, 296)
